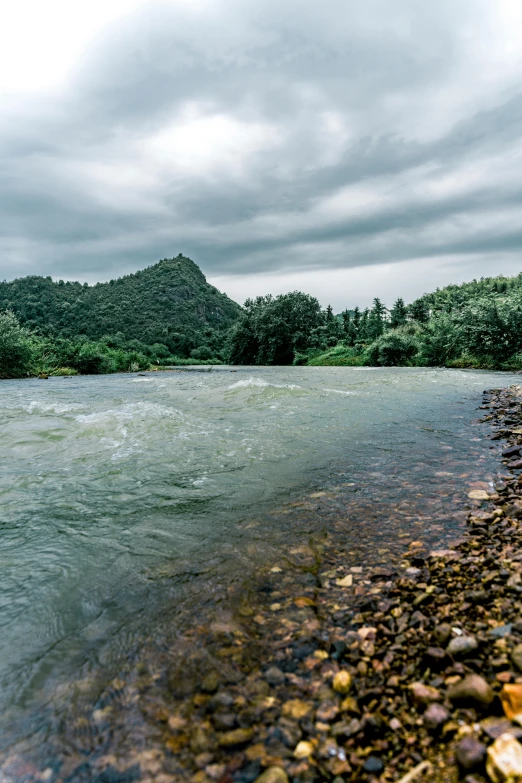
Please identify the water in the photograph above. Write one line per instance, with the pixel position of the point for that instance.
(124, 497)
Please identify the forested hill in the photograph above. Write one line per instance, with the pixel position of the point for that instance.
(169, 303)
(452, 297)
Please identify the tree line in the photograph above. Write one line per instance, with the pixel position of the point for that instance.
(477, 324)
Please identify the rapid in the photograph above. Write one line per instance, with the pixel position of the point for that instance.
(125, 499)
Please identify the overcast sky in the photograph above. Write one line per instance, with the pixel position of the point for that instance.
(347, 148)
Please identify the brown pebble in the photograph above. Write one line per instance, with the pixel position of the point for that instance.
(472, 690)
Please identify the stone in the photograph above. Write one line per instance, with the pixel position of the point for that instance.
(514, 510)
(435, 658)
(512, 451)
(478, 494)
(296, 708)
(442, 633)
(274, 676)
(470, 754)
(435, 717)
(346, 581)
(342, 682)
(424, 694)
(477, 597)
(373, 765)
(472, 691)
(236, 737)
(516, 656)
(504, 760)
(494, 727)
(500, 631)
(461, 646)
(511, 698)
(273, 775)
(303, 750)
(210, 683)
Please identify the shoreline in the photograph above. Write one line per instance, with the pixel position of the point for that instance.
(309, 675)
(376, 694)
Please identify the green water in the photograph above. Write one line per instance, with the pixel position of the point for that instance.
(118, 492)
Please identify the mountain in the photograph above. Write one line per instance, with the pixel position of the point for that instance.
(169, 303)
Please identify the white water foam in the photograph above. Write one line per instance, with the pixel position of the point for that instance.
(262, 384)
(51, 407)
(340, 391)
(130, 411)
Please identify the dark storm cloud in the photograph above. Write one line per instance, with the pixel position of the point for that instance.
(286, 136)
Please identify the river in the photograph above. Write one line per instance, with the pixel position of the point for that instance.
(127, 498)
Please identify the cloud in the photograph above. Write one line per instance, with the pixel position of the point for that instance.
(269, 140)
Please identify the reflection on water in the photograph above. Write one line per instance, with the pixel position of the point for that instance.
(131, 504)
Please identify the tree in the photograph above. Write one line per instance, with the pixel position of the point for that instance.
(15, 347)
(271, 330)
(419, 311)
(376, 320)
(398, 314)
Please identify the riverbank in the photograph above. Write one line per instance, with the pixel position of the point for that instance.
(370, 674)
(253, 683)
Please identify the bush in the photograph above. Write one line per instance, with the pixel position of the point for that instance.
(339, 356)
(203, 352)
(63, 371)
(16, 347)
(396, 347)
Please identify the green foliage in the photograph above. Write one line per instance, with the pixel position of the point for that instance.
(271, 330)
(339, 356)
(169, 303)
(16, 347)
(398, 314)
(395, 347)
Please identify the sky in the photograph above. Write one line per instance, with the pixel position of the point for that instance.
(348, 149)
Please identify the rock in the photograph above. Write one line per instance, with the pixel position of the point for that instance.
(273, 775)
(435, 658)
(504, 760)
(500, 631)
(478, 494)
(210, 683)
(235, 737)
(434, 717)
(338, 650)
(303, 750)
(512, 451)
(514, 510)
(477, 597)
(296, 708)
(472, 691)
(373, 765)
(511, 698)
(346, 581)
(424, 694)
(516, 656)
(342, 682)
(470, 754)
(494, 727)
(461, 646)
(274, 676)
(442, 633)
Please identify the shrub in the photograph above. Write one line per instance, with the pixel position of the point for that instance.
(16, 347)
(396, 347)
